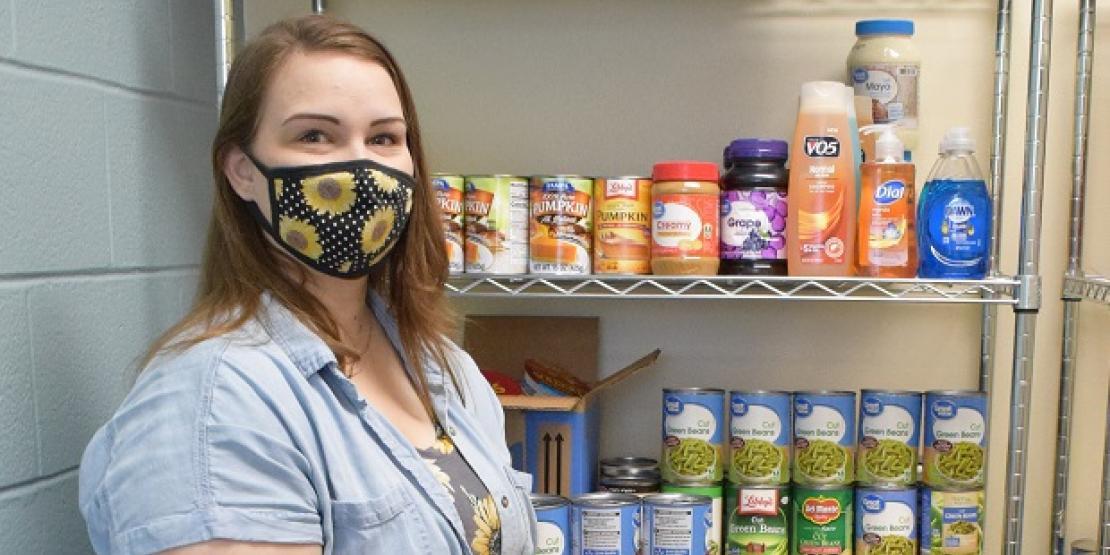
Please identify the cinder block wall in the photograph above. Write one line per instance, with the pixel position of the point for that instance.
(107, 111)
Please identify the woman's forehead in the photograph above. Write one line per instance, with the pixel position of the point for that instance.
(335, 83)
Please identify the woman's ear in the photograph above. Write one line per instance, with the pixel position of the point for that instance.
(241, 172)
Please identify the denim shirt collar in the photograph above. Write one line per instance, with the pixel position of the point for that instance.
(311, 354)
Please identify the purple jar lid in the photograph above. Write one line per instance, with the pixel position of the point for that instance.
(772, 149)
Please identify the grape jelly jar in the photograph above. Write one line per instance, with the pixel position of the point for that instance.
(753, 208)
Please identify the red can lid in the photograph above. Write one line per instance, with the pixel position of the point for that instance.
(684, 170)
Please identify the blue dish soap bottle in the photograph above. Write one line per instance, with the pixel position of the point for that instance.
(954, 213)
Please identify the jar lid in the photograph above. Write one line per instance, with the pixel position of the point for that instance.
(872, 27)
(771, 149)
(684, 170)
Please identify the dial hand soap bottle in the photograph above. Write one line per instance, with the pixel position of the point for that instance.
(887, 239)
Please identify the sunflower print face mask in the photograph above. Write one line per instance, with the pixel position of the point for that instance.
(340, 218)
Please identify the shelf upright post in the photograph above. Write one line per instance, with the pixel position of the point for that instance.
(229, 32)
(989, 323)
(319, 7)
(1104, 511)
(1083, 68)
(1029, 285)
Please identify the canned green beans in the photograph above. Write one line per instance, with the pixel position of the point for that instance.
(715, 492)
(678, 524)
(758, 520)
(955, 438)
(822, 522)
(951, 522)
(888, 437)
(886, 521)
(824, 437)
(605, 524)
(760, 432)
(693, 438)
(552, 524)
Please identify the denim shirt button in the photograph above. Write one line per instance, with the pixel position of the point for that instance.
(451, 431)
(505, 501)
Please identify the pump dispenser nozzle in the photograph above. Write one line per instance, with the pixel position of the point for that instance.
(888, 147)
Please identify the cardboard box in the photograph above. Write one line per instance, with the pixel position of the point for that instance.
(553, 438)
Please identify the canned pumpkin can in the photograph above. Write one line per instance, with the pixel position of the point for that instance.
(561, 224)
(495, 210)
(622, 222)
(449, 195)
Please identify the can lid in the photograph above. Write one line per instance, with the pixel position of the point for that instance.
(547, 501)
(768, 149)
(872, 27)
(679, 499)
(684, 170)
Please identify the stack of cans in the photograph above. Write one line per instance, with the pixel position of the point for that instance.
(693, 451)
(757, 494)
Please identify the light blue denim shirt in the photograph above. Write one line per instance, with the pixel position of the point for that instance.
(257, 436)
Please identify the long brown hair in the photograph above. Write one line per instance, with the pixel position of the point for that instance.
(240, 264)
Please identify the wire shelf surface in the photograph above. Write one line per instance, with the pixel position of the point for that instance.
(989, 291)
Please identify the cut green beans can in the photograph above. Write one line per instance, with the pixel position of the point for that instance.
(888, 437)
(760, 433)
(758, 519)
(951, 522)
(824, 437)
(822, 522)
(715, 492)
(693, 435)
(886, 521)
(955, 438)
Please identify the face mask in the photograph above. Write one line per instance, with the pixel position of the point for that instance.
(341, 218)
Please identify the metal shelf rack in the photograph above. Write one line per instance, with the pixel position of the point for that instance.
(1078, 286)
(1089, 288)
(994, 291)
(1021, 291)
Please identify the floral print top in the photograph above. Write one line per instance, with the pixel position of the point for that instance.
(472, 499)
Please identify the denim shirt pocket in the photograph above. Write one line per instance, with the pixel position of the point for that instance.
(387, 523)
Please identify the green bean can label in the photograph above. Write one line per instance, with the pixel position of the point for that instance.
(760, 432)
(758, 520)
(693, 446)
(886, 521)
(951, 522)
(715, 492)
(955, 439)
(824, 438)
(888, 438)
(822, 523)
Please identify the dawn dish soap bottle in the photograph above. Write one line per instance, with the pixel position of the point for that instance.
(954, 213)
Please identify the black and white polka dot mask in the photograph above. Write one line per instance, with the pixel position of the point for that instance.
(340, 218)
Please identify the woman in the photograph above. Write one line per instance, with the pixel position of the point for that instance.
(310, 402)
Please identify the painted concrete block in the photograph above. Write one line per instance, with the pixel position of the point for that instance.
(160, 179)
(17, 412)
(88, 336)
(43, 518)
(124, 42)
(53, 190)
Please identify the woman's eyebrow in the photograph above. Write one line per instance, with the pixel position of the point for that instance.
(324, 117)
(394, 119)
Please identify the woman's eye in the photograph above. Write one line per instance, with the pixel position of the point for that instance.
(385, 139)
(313, 136)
